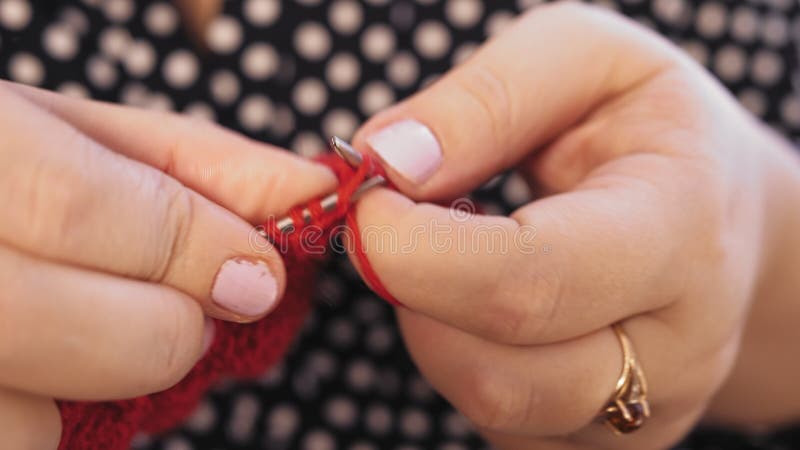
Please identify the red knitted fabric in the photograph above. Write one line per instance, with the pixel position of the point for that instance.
(240, 351)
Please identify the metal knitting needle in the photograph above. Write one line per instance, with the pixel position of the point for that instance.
(328, 203)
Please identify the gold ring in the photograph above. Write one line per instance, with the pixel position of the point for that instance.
(627, 409)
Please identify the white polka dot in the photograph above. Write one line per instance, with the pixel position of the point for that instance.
(73, 89)
(260, 61)
(224, 35)
(224, 87)
(730, 63)
(767, 67)
(415, 423)
(255, 113)
(432, 39)
(312, 41)
(203, 418)
(346, 16)
(375, 96)
(456, 425)
(308, 144)
(775, 30)
(26, 68)
(181, 69)
(340, 122)
(419, 390)
(319, 440)
(607, 4)
(377, 42)
(463, 52)
(744, 24)
(15, 14)
(283, 422)
(342, 71)
(498, 22)
(75, 19)
(177, 443)
(159, 102)
(673, 12)
(362, 446)
(697, 50)
(341, 333)
(246, 408)
(790, 110)
(134, 94)
(200, 110)
(380, 339)
(516, 190)
(114, 42)
(118, 10)
(139, 59)
(781, 4)
(360, 375)
(451, 446)
(341, 412)
(262, 12)
(711, 19)
(463, 13)
(368, 311)
(101, 72)
(310, 96)
(140, 440)
(525, 4)
(283, 121)
(754, 101)
(60, 42)
(161, 19)
(274, 375)
(402, 70)
(379, 419)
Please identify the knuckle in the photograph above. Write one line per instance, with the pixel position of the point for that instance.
(491, 403)
(492, 97)
(58, 200)
(525, 317)
(176, 215)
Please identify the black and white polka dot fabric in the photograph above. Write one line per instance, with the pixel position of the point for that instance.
(294, 72)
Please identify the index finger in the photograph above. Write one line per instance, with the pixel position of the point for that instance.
(250, 178)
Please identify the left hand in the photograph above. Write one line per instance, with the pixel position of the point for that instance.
(659, 218)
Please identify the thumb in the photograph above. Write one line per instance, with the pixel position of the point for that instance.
(518, 92)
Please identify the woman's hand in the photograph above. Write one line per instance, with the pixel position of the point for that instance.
(113, 244)
(661, 215)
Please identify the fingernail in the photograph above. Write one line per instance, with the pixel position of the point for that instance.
(208, 335)
(410, 148)
(245, 287)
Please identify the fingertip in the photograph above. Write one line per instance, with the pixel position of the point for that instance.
(247, 288)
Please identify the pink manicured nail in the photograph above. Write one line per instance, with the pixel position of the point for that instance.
(410, 148)
(245, 287)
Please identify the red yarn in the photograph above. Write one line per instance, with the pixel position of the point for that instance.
(238, 350)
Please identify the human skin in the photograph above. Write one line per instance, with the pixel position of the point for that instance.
(666, 207)
(116, 228)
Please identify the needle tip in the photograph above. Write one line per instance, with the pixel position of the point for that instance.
(346, 151)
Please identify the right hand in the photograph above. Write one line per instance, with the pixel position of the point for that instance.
(119, 229)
